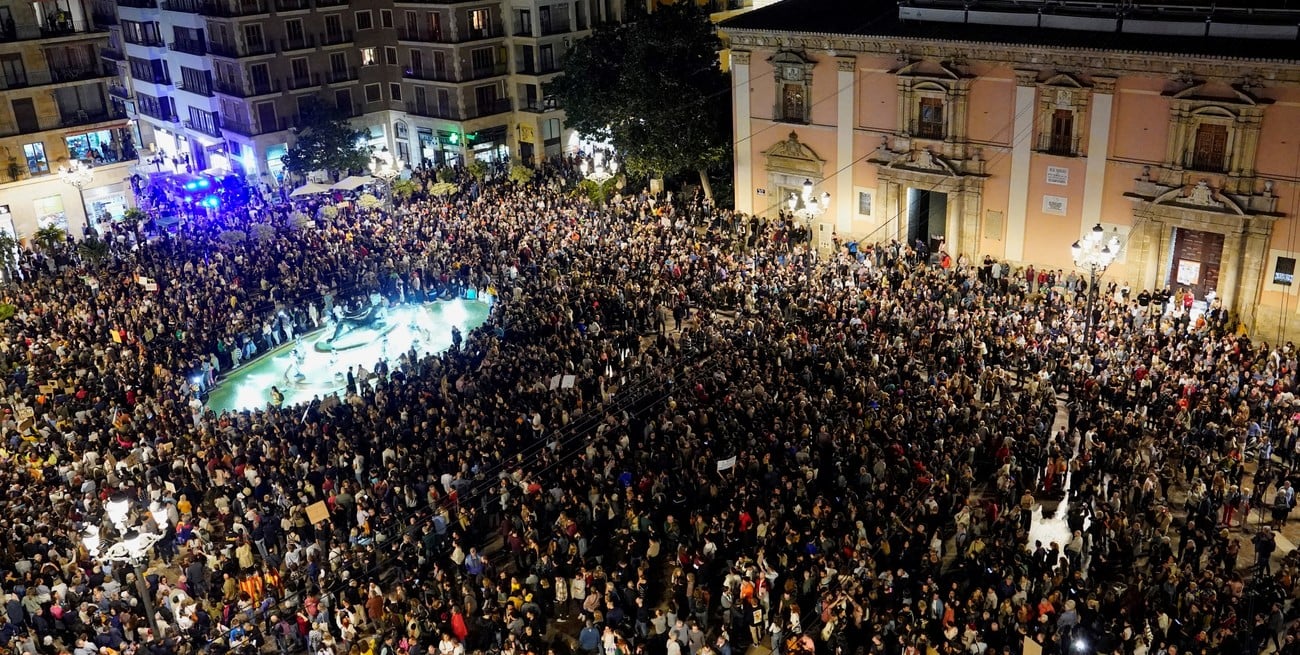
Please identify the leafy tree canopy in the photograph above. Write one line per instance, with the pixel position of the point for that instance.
(326, 142)
(654, 88)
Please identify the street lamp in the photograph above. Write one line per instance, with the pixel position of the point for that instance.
(133, 548)
(600, 169)
(808, 206)
(384, 168)
(1095, 253)
(78, 174)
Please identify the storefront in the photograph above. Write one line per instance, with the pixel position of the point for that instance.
(106, 205)
(489, 145)
(275, 160)
(49, 212)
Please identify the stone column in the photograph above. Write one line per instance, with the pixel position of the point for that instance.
(1099, 119)
(743, 145)
(1230, 276)
(1253, 257)
(846, 119)
(970, 223)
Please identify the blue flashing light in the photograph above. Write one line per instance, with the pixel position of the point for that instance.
(211, 202)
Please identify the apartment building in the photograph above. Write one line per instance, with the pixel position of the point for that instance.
(56, 106)
(1011, 129)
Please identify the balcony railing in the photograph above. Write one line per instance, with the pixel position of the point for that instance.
(556, 28)
(104, 17)
(305, 42)
(232, 51)
(484, 72)
(927, 130)
(1065, 147)
(336, 38)
(249, 90)
(429, 75)
(254, 128)
(499, 106)
(145, 43)
(159, 78)
(138, 4)
(492, 32)
(322, 4)
(292, 5)
(539, 106)
(189, 46)
(30, 32)
(57, 76)
(119, 91)
(422, 35)
(234, 8)
(183, 6)
(210, 130)
(429, 111)
(112, 53)
(160, 113)
(84, 117)
(341, 76)
(295, 83)
(530, 68)
(198, 90)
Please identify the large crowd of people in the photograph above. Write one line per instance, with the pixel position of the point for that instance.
(763, 447)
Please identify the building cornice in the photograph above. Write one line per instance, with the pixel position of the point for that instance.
(1016, 55)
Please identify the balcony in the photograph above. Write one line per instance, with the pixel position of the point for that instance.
(341, 76)
(148, 77)
(190, 46)
(182, 6)
(84, 117)
(484, 72)
(138, 4)
(161, 113)
(292, 5)
(104, 17)
(428, 111)
(32, 32)
(250, 90)
(422, 35)
(231, 51)
(303, 82)
(146, 43)
(234, 8)
(114, 54)
(58, 76)
(336, 38)
(494, 31)
(498, 106)
(530, 68)
(924, 130)
(210, 130)
(305, 42)
(254, 128)
(539, 106)
(198, 90)
(1063, 146)
(551, 29)
(429, 75)
(325, 4)
(119, 91)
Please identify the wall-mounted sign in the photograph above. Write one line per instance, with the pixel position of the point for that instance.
(1189, 272)
(761, 192)
(1055, 205)
(1058, 175)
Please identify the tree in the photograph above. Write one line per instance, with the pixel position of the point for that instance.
(8, 254)
(93, 250)
(520, 174)
(326, 142)
(50, 237)
(654, 88)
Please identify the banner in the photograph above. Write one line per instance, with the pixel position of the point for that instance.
(724, 464)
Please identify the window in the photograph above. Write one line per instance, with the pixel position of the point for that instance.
(930, 122)
(386, 18)
(794, 104)
(368, 57)
(343, 100)
(196, 81)
(395, 91)
(306, 103)
(253, 36)
(301, 72)
(338, 62)
(373, 93)
(1284, 271)
(793, 75)
(364, 20)
(1210, 151)
(36, 161)
(334, 27)
(390, 55)
(1062, 142)
(478, 20)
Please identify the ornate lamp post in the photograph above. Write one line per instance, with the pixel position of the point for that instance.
(808, 207)
(132, 549)
(386, 170)
(600, 169)
(1095, 253)
(79, 175)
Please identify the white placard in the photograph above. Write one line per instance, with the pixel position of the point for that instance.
(724, 464)
(1058, 175)
(1055, 205)
(1189, 272)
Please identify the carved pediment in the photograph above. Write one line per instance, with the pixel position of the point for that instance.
(1064, 80)
(922, 159)
(924, 68)
(791, 156)
(1217, 92)
(1200, 196)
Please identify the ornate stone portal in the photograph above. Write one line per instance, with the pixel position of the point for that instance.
(789, 163)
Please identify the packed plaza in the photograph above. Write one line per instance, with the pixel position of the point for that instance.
(763, 447)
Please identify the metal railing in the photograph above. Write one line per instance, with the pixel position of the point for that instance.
(138, 4)
(254, 128)
(228, 88)
(295, 83)
(119, 91)
(32, 31)
(484, 72)
(58, 76)
(292, 5)
(233, 51)
(499, 106)
(1065, 146)
(210, 130)
(421, 35)
(429, 111)
(336, 38)
(183, 6)
(234, 8)
(340, 76)
(926, 130)
(112, 53)
(198, 90)
(434, 75)
(189, 46)
(305, 42)
(159, 113)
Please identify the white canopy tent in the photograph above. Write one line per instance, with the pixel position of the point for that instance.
(309, 189)
(353, 182)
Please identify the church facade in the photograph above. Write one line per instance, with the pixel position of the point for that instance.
(980, 129)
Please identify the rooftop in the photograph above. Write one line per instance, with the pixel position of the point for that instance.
(1265, 29)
